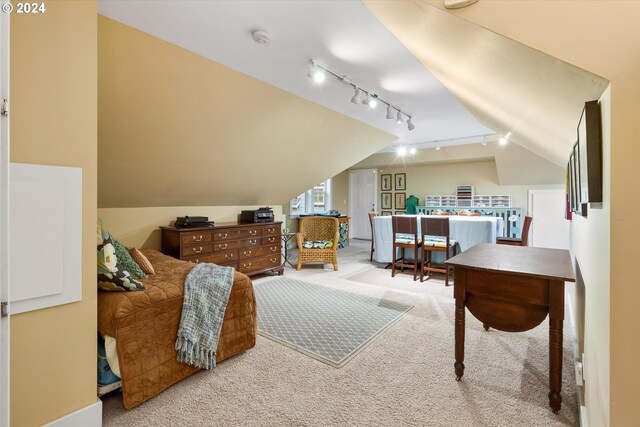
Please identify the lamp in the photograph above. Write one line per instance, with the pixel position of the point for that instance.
(361, 96)
(357, 98)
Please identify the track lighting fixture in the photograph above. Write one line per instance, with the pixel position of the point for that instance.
(484, 140)
(361, 96)
(402, 151)
(357, 98)
(412, 151)
(437, 147)
(389, 112)
(503, 141)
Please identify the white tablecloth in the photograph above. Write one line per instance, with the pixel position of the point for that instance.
(468, 231)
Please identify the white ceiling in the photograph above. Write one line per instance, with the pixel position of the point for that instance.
(341, 35)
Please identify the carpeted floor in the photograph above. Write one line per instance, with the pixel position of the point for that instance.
(404, 378)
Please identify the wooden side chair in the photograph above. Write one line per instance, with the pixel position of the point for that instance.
(435, 237)
(524, 237)
(371, 216)
(317, 240)
(405, 236)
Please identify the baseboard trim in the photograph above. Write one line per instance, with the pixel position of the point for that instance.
(89, 416)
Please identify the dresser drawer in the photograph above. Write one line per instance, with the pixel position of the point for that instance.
(246, 232)
(259, 263)
(224, 257)
(259, 251)
(268, 240)
(195, 250)
(195, 238)
(249, 243)
(198, 260)
(225, 245)
(271, 230)
(227, 234)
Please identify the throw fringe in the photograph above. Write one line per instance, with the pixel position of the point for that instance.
(192, 354)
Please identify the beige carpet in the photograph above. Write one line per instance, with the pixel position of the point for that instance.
(405, 377)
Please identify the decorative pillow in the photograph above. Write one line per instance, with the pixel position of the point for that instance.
(142, 261)
(111, 275)
(317, 244)
(127, 262)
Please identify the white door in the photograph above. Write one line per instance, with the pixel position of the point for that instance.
(362, 200)
(549, 228)
(4, 219)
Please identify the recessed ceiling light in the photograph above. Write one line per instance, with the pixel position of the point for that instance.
(402, 151)
(503, 140)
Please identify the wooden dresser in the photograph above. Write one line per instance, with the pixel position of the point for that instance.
(249, 248)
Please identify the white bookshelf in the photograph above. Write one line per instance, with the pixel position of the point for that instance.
(465, 194)
(500, 201)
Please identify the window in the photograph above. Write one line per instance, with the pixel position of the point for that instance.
(316, 199)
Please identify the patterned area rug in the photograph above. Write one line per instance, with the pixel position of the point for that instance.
(325, 323)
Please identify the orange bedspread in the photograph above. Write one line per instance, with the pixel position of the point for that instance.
(145, 325)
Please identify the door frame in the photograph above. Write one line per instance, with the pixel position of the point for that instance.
(4, 221)
(374, 172)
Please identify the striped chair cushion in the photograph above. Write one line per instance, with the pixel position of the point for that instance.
(439, 243)
(406, 239)
(317, 244)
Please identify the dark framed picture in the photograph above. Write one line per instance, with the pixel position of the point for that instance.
(386, 200)
(590, 147)
(400, 181)
(400, 212)
(580, 208)
(386, 213)
(401, 198)
(570, 185)
(385, 182)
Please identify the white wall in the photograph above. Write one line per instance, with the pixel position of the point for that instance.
(590, 246)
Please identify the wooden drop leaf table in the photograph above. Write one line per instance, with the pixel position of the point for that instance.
(512, 289)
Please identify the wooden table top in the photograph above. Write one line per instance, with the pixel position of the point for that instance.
(545, 263)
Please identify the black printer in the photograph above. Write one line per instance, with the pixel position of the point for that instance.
(258, 215)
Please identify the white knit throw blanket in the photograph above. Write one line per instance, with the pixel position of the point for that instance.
(206, 294)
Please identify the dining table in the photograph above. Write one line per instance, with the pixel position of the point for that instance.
(467, 231)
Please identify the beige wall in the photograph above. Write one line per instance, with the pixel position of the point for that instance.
(188, 131)
(625, 235)
(138, 227)
(340, 192)
(53, 122)
(442, 179)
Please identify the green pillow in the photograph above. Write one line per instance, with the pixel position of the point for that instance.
(124, 259)
(111, 275)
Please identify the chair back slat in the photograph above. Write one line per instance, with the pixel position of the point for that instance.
(434, 226)
(525, 230)
(404, 225)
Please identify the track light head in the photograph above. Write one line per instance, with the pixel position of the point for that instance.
(412, 151)
(503, 140)
(316, 73)
(373, 101)
(410, 124)
(437, 147)
(365, 98)
(484, 141)
(389, 112)
(357, 98)
(399, 118)
(402, 151)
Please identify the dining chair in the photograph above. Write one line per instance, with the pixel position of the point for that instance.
(435, 238)
(371, 216)
(524, 237)
(405, 236)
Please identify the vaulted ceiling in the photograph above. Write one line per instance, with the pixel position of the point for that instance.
(195, 104)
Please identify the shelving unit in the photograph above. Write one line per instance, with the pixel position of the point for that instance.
(445, 201)
(465, 194)
(481, 201)
(500, 201)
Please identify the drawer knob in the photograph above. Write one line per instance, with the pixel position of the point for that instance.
(222, 235)
(272, 230)
(273, 259)
(197, 251)
(247, 265)
(197, 238)
(247, 253)
(227, 256)
(253, 232)
(222, 246)
(253, 242)
(272, 239)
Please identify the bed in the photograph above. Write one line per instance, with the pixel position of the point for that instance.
(145, 324)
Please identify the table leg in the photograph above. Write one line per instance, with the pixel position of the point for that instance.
(459, 365)
(555, 364)
(556, 317)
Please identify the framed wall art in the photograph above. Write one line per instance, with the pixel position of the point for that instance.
(386, 213)
(385, 182)
(401, 198)
(400, 181)
(386, 200)
(590, 148)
